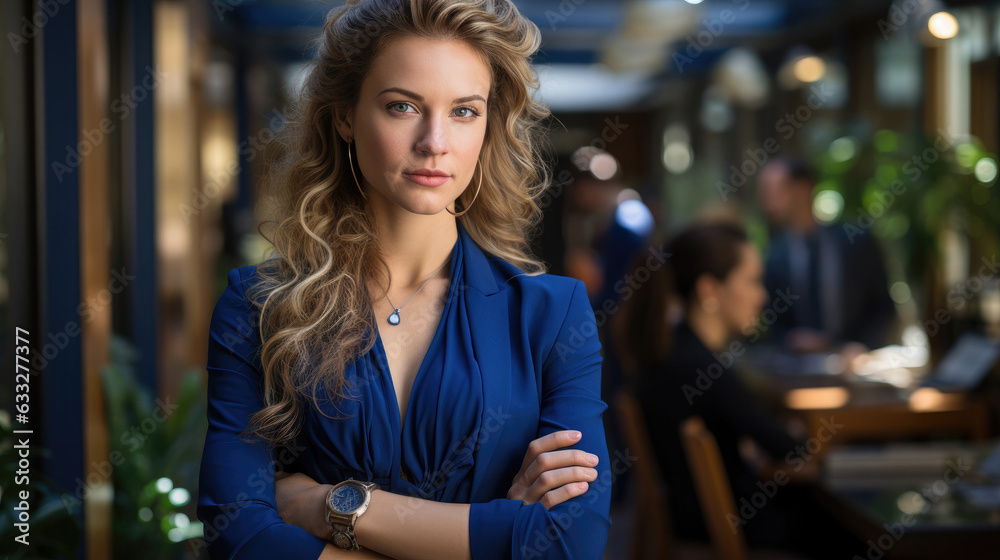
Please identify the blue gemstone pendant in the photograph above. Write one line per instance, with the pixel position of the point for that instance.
(394, 318)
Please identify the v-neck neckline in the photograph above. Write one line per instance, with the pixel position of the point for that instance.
(384, 357)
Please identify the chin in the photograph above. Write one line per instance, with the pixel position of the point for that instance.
(424, 205)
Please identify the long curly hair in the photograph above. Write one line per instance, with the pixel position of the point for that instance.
(312, 296)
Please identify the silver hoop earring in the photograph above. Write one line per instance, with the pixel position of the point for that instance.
(350, 162)
(473, 197)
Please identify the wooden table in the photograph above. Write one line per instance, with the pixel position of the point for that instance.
(870, 412)
(903, 510)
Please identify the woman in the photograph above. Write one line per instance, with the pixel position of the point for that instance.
(686, 366)
(403, 336)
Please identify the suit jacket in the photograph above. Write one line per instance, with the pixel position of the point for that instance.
(515, 357)
(853, 292)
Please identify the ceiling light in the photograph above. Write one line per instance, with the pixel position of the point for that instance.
(943, 25)
(809, 69)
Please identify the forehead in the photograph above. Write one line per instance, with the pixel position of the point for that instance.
(435, 68)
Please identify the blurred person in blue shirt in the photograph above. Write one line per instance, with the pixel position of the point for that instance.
(835, 278)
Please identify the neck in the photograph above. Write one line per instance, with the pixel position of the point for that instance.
(709, 328)
(414, 246)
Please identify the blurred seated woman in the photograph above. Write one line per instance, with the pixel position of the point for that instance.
(685, 367)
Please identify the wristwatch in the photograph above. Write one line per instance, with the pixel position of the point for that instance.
(345, 502)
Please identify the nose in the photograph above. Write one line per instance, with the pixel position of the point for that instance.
(433, 138)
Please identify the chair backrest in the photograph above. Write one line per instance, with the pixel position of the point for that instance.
(714, 492)
(651, 535)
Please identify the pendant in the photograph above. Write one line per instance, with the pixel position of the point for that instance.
(394, 318)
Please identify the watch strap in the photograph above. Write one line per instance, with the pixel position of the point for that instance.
(342, 525)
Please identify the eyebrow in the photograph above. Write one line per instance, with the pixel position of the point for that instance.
(421, 98)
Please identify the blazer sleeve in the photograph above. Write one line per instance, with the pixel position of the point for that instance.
(236, 500)
(571, 399)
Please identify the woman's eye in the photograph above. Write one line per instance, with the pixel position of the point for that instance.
(461, 112)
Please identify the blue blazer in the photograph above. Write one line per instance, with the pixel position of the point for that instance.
(514, 357)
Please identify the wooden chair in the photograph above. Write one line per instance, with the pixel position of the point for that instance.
(716, 497)
(651, 521)
(714, 492)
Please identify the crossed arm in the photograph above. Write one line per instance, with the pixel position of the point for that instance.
(548, 475)
(239, 494)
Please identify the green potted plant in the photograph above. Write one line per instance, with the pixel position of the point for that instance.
(155, 446)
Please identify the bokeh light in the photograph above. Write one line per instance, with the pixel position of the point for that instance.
(943, 25)
(603, 166)
(828, 206)
(809, 69)
(986, 170)
(179, 496)
(164, 485)
(900, 292)
(842, 149)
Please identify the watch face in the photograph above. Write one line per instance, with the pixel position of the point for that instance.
(347, 499)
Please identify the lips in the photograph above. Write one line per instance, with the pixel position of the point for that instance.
(428, 177)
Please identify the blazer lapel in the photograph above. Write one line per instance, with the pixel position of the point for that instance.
(489, 322)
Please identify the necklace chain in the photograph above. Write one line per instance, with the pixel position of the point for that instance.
(394, 318)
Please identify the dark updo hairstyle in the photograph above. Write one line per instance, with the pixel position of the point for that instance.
(642, 332)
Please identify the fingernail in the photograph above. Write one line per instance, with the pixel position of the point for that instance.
(575, 435)
(592, 459)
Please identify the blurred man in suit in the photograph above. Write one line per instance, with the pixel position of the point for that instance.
(837, 283)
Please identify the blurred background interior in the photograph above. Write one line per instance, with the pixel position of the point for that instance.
(853, 142)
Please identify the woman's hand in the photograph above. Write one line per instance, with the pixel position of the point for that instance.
(301, 502)
(552, 477)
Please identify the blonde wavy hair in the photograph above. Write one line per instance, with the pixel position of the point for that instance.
(312, 292)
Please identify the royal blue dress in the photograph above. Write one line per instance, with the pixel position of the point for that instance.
(514, 357)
